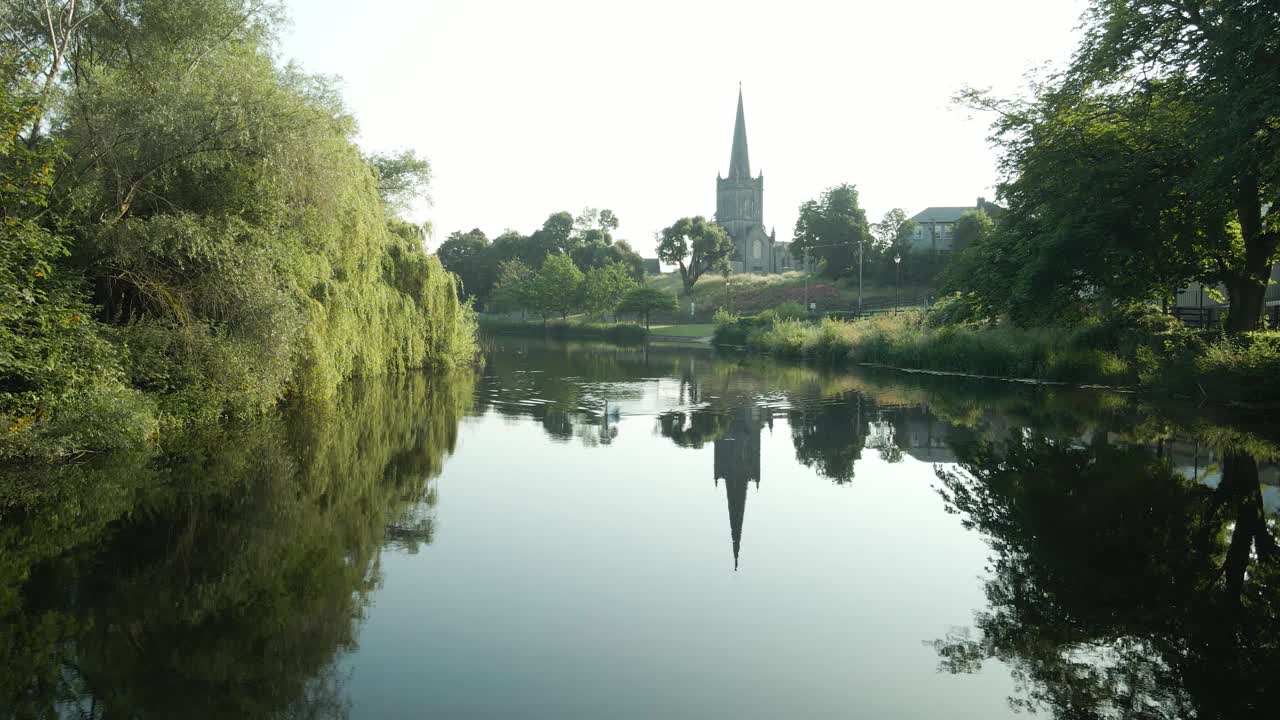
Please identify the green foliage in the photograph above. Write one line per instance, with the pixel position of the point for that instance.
(646, 300)
(956, 309)
(893, 231)
(402, 178)
(724, 317)
(513, 289)
(1096, 202)
(588, 240)
(973, 227)
(236, 245)
(1147, 165)
(557, 288)
(785, 311)
(469, 256)
(833, 228)
(696, 246)
(1132, 345)
(61, 389)
(603, 288)
(904, 340)
(1245, 367)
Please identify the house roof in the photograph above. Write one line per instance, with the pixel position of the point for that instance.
(952, 214)
(940, 214)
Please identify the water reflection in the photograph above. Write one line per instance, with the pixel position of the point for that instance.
(1123, 586)
(223, 579)
(1133, 568)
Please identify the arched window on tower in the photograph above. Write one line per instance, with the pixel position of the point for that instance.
(757, 250)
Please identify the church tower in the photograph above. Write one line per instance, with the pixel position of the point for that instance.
(740, 205)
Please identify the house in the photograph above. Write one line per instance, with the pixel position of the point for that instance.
(935, 227)
(1196, 304)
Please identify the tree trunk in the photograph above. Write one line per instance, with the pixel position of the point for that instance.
(1240, 479)
(646, 321)
(1245, 304)
(684, 279)
(1247, 287)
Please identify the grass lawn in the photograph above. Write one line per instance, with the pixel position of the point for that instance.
(700, 330)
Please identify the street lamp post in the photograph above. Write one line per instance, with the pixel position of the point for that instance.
(806, 279)
(897, 286)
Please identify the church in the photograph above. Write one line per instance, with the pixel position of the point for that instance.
(740, 211)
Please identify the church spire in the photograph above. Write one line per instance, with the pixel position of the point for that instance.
(739, 165)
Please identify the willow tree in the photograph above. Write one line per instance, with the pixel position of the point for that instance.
(229, 234)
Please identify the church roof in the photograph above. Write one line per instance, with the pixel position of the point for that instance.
(739, 164)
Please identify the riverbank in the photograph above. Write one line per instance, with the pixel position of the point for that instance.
(621, 333)
(624, 333)
(1131, 350)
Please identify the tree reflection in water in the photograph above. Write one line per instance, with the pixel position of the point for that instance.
(1121, 587)
(231, 572)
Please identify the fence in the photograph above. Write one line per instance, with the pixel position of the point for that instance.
(881, 307)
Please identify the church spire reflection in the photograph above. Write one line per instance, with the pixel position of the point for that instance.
(737, 462)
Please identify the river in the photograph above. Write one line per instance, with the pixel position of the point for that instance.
(589, 531)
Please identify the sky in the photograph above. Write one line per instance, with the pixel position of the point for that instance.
(529, 108)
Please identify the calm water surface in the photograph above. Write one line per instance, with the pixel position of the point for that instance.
(586, 531)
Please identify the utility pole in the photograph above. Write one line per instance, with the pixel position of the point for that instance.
(862, 244)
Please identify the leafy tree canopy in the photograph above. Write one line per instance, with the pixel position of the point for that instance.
(1151, 162)
(832, 229)
(604, 287)
(557, 288)
(645, 300)
(696, 246)
(203, 228)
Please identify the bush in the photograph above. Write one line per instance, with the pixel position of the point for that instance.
(724, 317)
(790, 311)
(737, 331)
(1125, 328)
(957, 309)
(1245, 368)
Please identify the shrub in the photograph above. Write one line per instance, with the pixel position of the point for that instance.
(724, 317)
(1244, 368)
(738, 332)
(786, 337)
(790, 311)
(957, 309)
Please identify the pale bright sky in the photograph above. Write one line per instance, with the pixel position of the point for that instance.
(527, 108)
